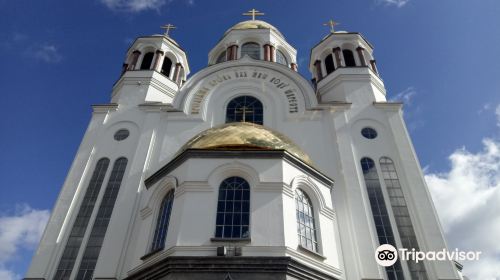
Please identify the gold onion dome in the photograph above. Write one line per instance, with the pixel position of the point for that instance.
(253, 24)
(244, 136)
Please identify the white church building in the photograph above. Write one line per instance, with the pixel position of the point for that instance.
(243, 170)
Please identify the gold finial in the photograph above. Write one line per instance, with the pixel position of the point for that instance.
(332, 25)
(167, 28)
(253, 13)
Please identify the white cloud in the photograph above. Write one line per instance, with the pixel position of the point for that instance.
(406, 95)
(6, 274)
(497, 113)
(134, 5)
(486, 107)
(397, 3)
(467, 199)
(22, 230)
(47, 53)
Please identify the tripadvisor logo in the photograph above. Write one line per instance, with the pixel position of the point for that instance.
(387, 255)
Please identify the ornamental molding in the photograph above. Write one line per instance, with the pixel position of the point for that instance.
(277, 78)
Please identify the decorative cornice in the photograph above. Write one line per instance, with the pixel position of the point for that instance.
(145, 212)
(308, 258)
(154, 107)
(104, 108)
(388, 106)
(167, 87)
(209, 153)
(333, 106)
(358, 73)
(197, 266)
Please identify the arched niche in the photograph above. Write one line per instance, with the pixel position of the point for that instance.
(273, 80)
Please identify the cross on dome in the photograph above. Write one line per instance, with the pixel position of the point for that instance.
(167, 28)
(253, 13)
(332, 25)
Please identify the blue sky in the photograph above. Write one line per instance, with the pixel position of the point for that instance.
(439, 56)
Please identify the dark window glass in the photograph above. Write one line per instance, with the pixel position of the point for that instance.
(251, 49)
(281, 58)
(146, 61)
(89, 259)
(245, 109)
(82, 219)
(379, 211)
(349, 58)
(233, 211)
(369, 133)
(163, 221)
(166, 66)
(401, 215)
(306, 228)
(329, 64)
(121, 134)
(222, 57)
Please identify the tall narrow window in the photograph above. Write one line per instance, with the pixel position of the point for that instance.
(82, 220)
(380, 215)
(281, 58)
(163, 221)
(306, 228)
(166, 66)
(146, 61)
(251, 49)
(329, 64)
(222, 57)
(401, 215)
(349, 58)
(245, 109)
(89, 259)
(233, 209)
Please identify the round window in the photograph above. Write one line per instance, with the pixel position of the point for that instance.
(121, 134)
(369, 133)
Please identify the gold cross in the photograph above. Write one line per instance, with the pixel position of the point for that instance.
(332, 25)
(167, 28)
(253, 13)
(244, 110)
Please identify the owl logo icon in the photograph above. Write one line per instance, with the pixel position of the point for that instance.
(386, 255)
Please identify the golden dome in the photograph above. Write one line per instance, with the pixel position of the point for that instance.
(244, 136)
(253, 24)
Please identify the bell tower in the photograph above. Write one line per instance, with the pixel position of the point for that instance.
(344, 69)
(155, 68)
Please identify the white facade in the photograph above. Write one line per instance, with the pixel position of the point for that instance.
(163, 110)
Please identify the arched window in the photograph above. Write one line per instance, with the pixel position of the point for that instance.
(349, 58)
(77, 232)
(401, 215)
(306, 227)
(251, 49)
(98, 232)
(146, 61)
(233, 209)
(221, 58)
(162, 222)
(281, 58)
(379, 211)
(245, 109)
(330, 67)
(166, 66)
